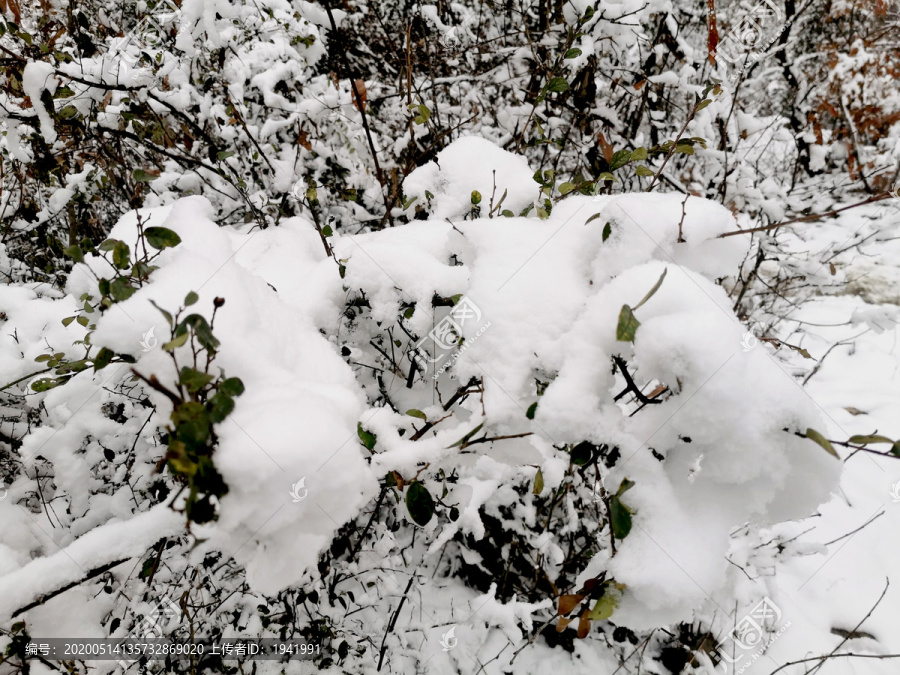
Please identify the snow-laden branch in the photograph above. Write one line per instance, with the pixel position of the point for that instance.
(115, 541)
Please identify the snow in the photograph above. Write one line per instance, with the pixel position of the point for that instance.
(117, 540)
(471, 163)
(545, 297)
(37, 77)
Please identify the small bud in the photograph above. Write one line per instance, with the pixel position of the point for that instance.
(218, 302)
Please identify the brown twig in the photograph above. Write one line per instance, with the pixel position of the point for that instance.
(360, 104)
(832, 654)
(812, 216)
(631, 386)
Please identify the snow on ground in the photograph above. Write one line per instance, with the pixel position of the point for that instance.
(857, 387)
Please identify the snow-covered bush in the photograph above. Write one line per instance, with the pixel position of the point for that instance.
(539, 416)
(318, 314)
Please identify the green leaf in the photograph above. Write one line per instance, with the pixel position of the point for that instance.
(620, 158)
(82, 320)
(68, 112)
(191, 422)
(147, 568)
(166, 314)
(816, 437)
(193, 380)
(121, 255)
(161, 237)
(73, 367)
(642, 170)
(619, 518)
(531, 410)
(45, 383)
(120, 290)
(412, 412)
(538, 483)
(582, 453)
(606, 175)
(75, 253)
(220, 407)
(652, 290)
(419, 503)
(572, 53)
(566, 188)
(104, 356)
(593, 217)
(368, 439)
(639, 154)
(558, 84)
(607, 230)
(68, 320)
(624, 487)
(201, 330)
(476, 197)
(176, 342)
(143, 176)
(224, 154)
(231, 386)
(684, 149)
(108, 245)
(628, 325)
(703, 104)
(465, 439)
(190, 299)
(605, 606)
(327, 231)
(864, 440)
(43, 357)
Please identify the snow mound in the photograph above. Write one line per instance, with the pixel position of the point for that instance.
(471, 163)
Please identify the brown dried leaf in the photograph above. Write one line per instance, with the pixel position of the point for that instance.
(568, 602)
(303, 140)
(359, 96)
(562, 624)
(584, 625)
(657, 390)
(606, 147)
(712, 39)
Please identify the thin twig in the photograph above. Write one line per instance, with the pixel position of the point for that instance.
(392, 623)
(822, 659)
(812, 216)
